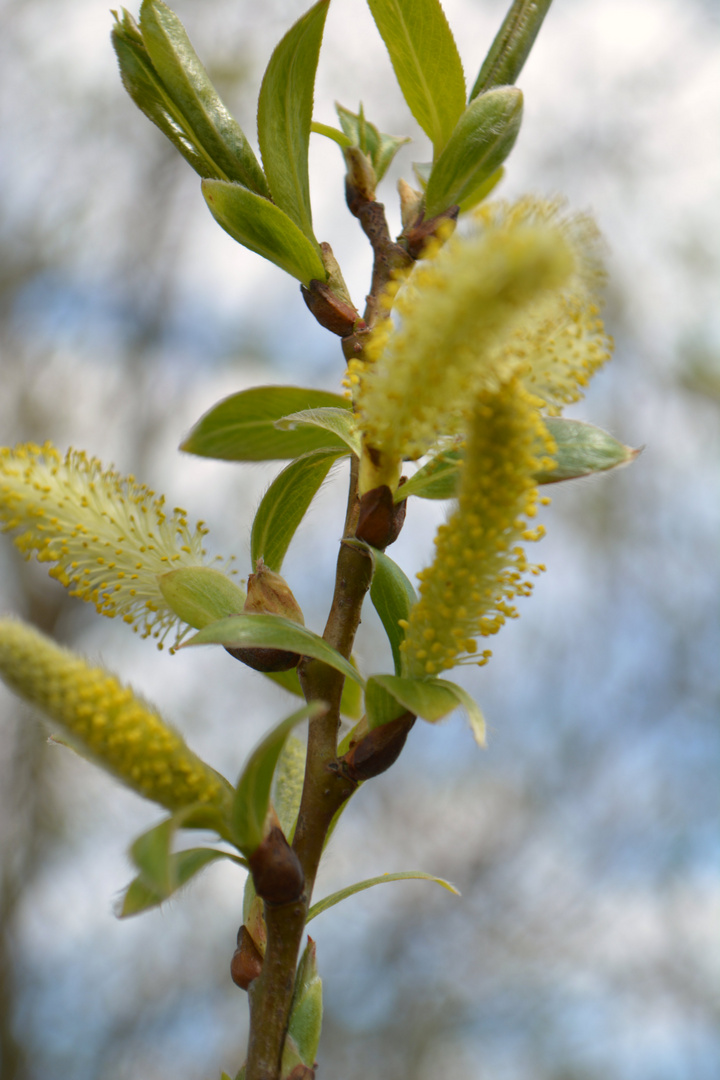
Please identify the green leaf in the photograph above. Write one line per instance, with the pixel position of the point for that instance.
(380, 148)
(242, 427)
(264, 228)
(285, 504)
(196, 99)
(351, 702)
(423, 697)
(285, 114)
(380, 706)
(426, 62)
(392, 595)
(438, 478)
(431, 699)
(482, 191)
(338, 421)
(288, 784)
(511, 46)
(471, 707)
(306, 1010)
(252, 796)
(149, 93)
(272, 632)
(360, 886)
(183, 865)
(484, 136)
(200, 595)
(582, 449)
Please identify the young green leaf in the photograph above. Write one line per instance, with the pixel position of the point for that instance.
(242, 427)
(265, 229)
(438, 478)
(582, 449)
(272, 632)
(338, 421)
(331, 133)
(287, 784)
(201, 595)
(182, 866)
(433, 699)
(381, 707)
(306, 1010)
(195, 98)
(285, 504)
(380, 148)
(426, 62)
(285, 115)
(360, 886)
(392, 595)
(252, 795)
(484, 136)
(511, 46)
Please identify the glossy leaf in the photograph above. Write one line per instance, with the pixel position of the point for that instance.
(147, 90)
(264, 228)
(242, 427)
(338, 421)
(582, 449)
(272, 632)
(285, 504)
(426, 62)
(392, 595)
(182, 866)
(196, 99)
(252, 796)
(360, 886)
(484, 136)
(511, 46)
(285, 115)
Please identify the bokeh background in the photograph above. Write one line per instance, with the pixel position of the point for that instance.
(585, 839)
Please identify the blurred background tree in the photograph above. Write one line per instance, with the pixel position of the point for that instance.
(585, 839)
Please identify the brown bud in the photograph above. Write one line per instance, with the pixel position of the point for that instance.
(247, 962)
(269, 594)
(380, 519)
(417, 236)
(330, 310)
(377, 750)
(301, 1072)
(276, 870)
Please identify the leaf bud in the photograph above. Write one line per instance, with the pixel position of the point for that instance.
(269, 594)
(200, 595)
(330, 310)
(276, 870)
(377, 750)
(360, 179)
(381, 519)
(247, 962)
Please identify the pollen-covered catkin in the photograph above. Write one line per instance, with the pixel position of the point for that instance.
(108, 536)
(480, 565)
(107, 721)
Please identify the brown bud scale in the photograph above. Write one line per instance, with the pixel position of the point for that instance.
(276, 870)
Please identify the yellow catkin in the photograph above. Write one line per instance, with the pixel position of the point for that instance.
(480, 565)
(518, 296)
(107, 721)
(108, 536)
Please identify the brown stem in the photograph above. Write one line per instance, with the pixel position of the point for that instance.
(324, 792)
